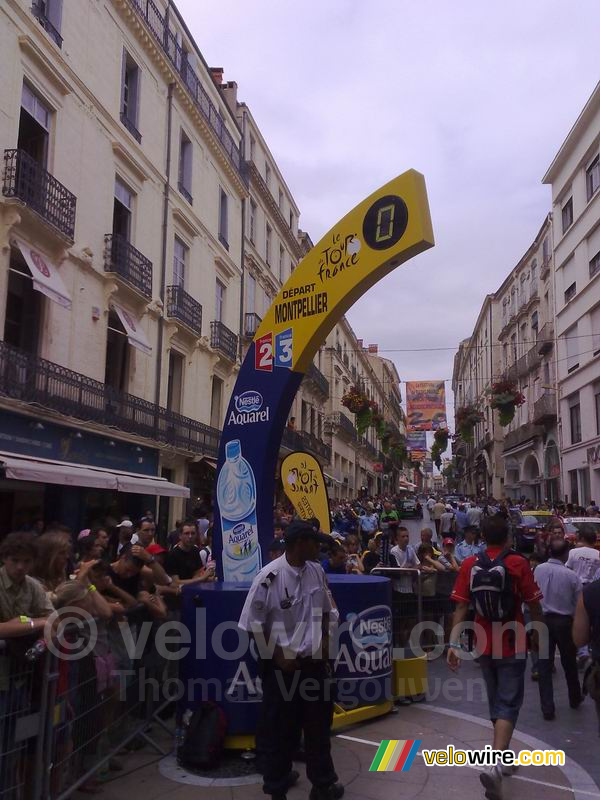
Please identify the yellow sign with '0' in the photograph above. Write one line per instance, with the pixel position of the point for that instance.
(304, 485)
(389, 227)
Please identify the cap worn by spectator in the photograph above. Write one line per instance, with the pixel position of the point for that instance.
(448, 540)
(125, 523)
(303, 530)
(83, 534)
(155, 549)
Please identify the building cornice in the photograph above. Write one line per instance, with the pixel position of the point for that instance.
(257, 181)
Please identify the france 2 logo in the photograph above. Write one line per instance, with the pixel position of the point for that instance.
(279, 353)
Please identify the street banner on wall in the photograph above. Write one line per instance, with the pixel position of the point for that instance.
(304, 484)
(380, 233)
(426, 405)
(416, 444)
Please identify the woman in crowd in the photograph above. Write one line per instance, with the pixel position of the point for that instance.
(53, 559)
(352, 545)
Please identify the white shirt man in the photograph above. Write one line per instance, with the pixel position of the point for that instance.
(474, 515)
(405, 556)
(446, 522)
(585, 560)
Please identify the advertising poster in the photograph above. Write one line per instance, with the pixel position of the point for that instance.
(304, 484)
(426, 405)
(416, 444)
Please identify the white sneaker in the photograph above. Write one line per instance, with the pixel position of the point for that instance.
(491, 780)
(509, 769)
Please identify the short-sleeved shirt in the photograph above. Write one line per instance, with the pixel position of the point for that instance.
(446, 521)
(474, 515)
(437, 510)
(463, 550)
(183, 563)
(560, 586)
(22, 599)
(288, 603)
(585, 563)
(525, 590)
(407, 559)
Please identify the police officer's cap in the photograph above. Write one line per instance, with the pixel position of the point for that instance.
(304, 530)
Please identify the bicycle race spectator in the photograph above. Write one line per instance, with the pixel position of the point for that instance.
(447, 557)
(144, 534)
(53, 557)
(184, 562)
(436, 512)
(462, 520)
(502, 647)
(24, 605)
(335, 563)
(474, 515)
(560, 588)
(468, 546)
(124, 534)
(584, 559)
(352, 545)
(134, 575)
(447, 522)
(369, 524)
(586, 631)
(427, 538)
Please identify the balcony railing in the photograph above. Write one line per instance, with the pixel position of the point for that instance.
(301, 440)
(38, 12)
(223, 340)
(315, 375)
(251, 324)
(182, 306)
(166, 38)
(370, 449)
(544, 409)
(522, 434)
(26, 180)
(31, 379)
(127, 123)
(522, 368)
(129, 264)
(545, 341)
(344, 424)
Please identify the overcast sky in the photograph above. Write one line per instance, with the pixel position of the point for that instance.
(476, 96)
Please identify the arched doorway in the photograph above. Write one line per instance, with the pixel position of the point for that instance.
(532, 479)
(512, 478)
(552, 471)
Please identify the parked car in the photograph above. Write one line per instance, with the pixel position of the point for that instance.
(529, 527)
(575, 525)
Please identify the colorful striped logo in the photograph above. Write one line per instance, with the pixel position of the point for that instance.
(395, 755)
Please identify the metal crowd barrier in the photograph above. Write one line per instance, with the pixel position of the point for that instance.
(418, 597)
(63, 721)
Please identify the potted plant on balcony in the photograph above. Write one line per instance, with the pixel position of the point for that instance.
(467, 418)
(358, 404)
(505, 397)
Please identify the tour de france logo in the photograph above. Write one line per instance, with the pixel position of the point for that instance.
(40, 264)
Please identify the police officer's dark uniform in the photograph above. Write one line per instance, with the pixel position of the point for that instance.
(292, 606)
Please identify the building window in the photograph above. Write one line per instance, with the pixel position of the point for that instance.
(223, 221)
(122, 210)
(215, 402)
(573, 485)
(546, 251)
(592, 178)
(513, 348)
(180, 253)
(252, 147)
(49, 15)
(250, 293)
(175, 382)
(130, 95)
(252, 221)
(595, 321)
(23, 306)
(116, 373)
(291, 220)
(524, 341)
(597, 407)
(575, 418)
(268, 237)
(534, 326)
(185, 167)
(34, 126)
(567, 215)
(280, 200)
(572, 341)
(534, 284)
(595, 264)
(281, 263)
(571, 292)
(267, 175)
(219, 301)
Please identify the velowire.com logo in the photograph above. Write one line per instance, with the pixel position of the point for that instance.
(395, 755)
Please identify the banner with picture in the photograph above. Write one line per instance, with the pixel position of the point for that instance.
(426, 405)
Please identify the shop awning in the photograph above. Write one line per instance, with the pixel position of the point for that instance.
(45, 275)
(331, 477)
(133, 329)
(212, 462)
(30, 469)
(407, 485)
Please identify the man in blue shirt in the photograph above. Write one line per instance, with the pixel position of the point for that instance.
(335, 563)
(461, 520)
(468, 547)
(369, 524)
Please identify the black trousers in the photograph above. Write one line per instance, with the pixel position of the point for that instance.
(559, 635)
(301, 701)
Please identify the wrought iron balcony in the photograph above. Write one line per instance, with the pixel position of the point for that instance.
(223, 340)
(319, 380)
(370, 449)
(522, 434)
(26, 180)
(129, 264)
(127, 123)
(31, 379)
(544, 409)
(522, 366)
(345, 425)
(545, 341)
(37, 9)
(167, 40)
(317, 447)
(182, 306)
(251, 324)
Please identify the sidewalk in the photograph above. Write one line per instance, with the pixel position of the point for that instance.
(354, 750)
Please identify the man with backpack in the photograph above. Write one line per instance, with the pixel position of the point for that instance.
(496, 584)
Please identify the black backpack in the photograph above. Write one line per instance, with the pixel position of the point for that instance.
(491, 588)
(204, 738)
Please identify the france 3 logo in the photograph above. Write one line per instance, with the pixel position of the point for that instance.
(275, 351)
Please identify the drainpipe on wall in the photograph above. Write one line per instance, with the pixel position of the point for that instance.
(163, 261)
(243, 247)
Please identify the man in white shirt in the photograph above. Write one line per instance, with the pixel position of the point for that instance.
(436, 514)
(405, 557)
(447, 522)
(584, 559)
(289, 610)
(474, 515)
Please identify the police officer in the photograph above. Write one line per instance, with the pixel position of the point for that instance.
(289, 610)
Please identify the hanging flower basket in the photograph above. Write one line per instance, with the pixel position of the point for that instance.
(467, 418)
(440, 437)
(356, 401)
(505, 397)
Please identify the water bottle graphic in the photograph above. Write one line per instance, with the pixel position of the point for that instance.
(236, 495)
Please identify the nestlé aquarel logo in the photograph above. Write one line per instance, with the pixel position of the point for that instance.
(369, 652)
(248, 408)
